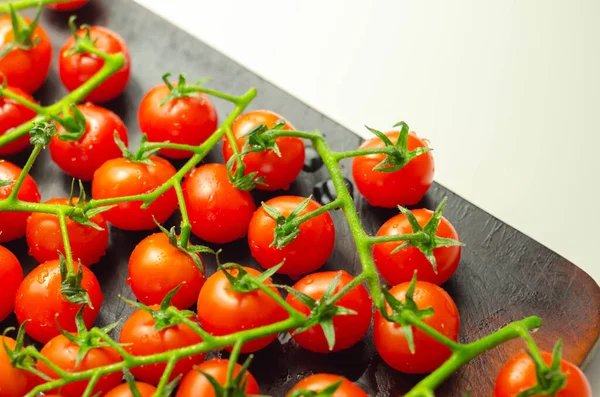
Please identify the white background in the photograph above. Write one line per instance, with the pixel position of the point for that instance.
(508, 92)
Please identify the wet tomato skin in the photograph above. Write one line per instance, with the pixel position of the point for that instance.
(11, 274)
(13, 114)
(196, 384)
(319, 382)
(123, 390)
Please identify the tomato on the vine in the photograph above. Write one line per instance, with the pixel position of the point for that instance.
(320, 382)
(391, 342)
(13, 114)
(11, 274)
(124, 390)
(68, 5)
(14, 382)
(219, 213)
(196, 384)
(278, 171)
(39, 300)
(81, 158)
(122, 177)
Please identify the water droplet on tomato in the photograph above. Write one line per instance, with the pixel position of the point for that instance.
(128, 281)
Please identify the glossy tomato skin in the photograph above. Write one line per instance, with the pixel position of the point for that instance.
(348, 329)
(63, 353)
(14, 382)
(76, 69)
(123, 390)
(308, 252)
(519, 375)
(189, 120)
(156, 267)
(80, 159)
(222, 311)
(39, 299)
(13, 114)
(219, 213)
(67, 6)
(142, 339)
(11, 274)
(44, 237)
(407, 186)
(278, 172)
(391, 343)
(319, 382)
(399, 267)
(121, 177)
(25, 69)
(196, 384)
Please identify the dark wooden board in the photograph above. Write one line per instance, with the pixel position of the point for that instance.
(503, 275)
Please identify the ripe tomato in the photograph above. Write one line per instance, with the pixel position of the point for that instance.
(80, 159)
(320, 382)
(349, 329)
(196, 384)
(121, 177)
(13, 382)
(219, 213)
(222, 311)
(11, 274)
(278, 172)
(519, 375)
(407, 186)
(67, 6)
(399, 267)
(45, 239)
(140, 338)
(188, 120)
(391, 343)
(40, 300)
(13, 114)
(308, 252)
(13, 224)
(124, 390)
(76, 69)
(63, 353)
(26, 69)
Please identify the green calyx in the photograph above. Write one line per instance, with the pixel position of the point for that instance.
(236, 387)
(74, 123)
(327, 392)
(550, 379)
(83, 216)
(238, 177)
(191, 250)
(286, 229)
(70, 286)
(261, 138)
(142, 155)
(41, 134)
(17, 356)
(241, 281)
(6, 182)
(23, 33)
(135, 392)
(82, 43)
(182, 89)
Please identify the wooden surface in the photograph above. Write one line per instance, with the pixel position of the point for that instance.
(503, 274)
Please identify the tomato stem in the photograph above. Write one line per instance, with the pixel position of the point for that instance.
(164, 379)
(363, 152)
(91, 384)
(186, 227)
(23, 101)
(19, 182)
(62, 220)
(233, 358)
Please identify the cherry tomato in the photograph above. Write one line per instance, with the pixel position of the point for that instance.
(26, 69)
(13, 114)
(13, 382)
(219, 213)
(45, 239)
(519, 375)
(399, 267)
(67, 6)
(80, 159)
(279, 172)
(141, 339)
(40, 301)
(196, 384)
(308, 252)
(11, 274)
(188, 120)
(390, 340)
(76, 69)
(349, 329)
(121, 177)
(407, 186)
(222, 311)
(13, 224)
(320, 382)
(124, 390)
(63, 353)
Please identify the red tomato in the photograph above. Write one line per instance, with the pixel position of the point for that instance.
(278, 172)
(121, 177)
(320, 382)
(80, 159)
(76, 69)
(13, 114)
(13, 382)
(222, 311)
(63, 353)
(400, 267)
(67, 6)
(349, 329)
(308, 252)
(189, 120)
(156, 267)
(141, 339)
(196, 384)
(45, 239)
(407, 186)
(25, 69)
(124, 390)
(13, 224)
(219, 213)
(519, 375)
(391, 343)
(39, 300)
(11, 274)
